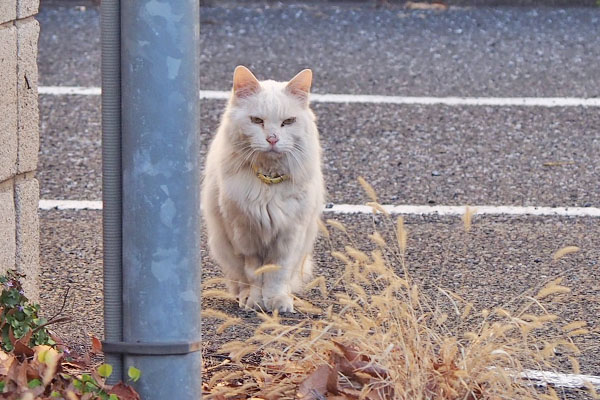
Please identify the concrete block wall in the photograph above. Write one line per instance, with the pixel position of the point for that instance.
(19, 141)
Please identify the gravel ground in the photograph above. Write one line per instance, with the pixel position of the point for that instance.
(471, 52)
(410, 154)
(71, 263)
(463, 51)
(500, 259)
(70, 158)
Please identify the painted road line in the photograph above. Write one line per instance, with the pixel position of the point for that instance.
(448, 101)
(377, 99)
(460, 210)
(70, 205)
(69, 90)
(573, 381)
(400, 209)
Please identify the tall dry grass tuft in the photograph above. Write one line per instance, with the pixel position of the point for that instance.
(379, 337)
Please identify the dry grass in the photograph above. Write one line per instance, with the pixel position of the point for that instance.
(380, 337)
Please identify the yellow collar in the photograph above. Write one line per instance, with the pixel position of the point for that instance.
(269, 180)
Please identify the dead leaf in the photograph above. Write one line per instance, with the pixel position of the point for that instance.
(351, 393)
(71, 396)
(315, 384)
(50, 357)
(341, 364)
(413, 5)
(357, 361)
(6, 361)
(350, 352)
(21, 375)
(96, 345)
(124, 392)
(98, 379)
(332, 381)
(11, 334)
(21, 349)
(27, 337)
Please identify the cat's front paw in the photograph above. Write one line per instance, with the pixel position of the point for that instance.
(281, 302)
(254, 300)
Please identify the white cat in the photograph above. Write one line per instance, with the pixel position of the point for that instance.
(263, 189)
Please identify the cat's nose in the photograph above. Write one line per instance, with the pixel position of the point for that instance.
(272, 139)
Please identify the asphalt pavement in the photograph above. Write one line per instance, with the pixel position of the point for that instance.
(411, 154)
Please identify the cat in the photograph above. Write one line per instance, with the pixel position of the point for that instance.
(263, 190)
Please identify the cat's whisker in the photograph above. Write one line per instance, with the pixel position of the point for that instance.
(298, 157)
(246, 158)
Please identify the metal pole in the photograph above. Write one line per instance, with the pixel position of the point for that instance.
(161, 196)
(111, 180)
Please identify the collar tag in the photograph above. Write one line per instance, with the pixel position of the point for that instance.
(268, 179)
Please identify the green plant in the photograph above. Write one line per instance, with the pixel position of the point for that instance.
(19, 319)
(33, 365)
(94, 384)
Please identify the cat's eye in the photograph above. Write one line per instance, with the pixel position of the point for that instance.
(288, 121)
(256, 120)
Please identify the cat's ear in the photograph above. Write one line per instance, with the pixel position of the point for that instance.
(244, 82)
(299, 86)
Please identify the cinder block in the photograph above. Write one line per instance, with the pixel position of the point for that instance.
(27, 8)
(8, 102)
(27, 196)
(7, 227)
(27, 99)
(8, 10)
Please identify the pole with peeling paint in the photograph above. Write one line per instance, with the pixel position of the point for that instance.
(161, 197)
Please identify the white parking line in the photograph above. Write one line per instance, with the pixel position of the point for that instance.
(65, 90)
(70, 205)
(573, 381)
(376, 99)
(399, 209)
(460, 210)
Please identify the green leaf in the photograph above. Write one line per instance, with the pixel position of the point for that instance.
(2, 384)
(134, 373)
(55, 394)
(34, 383)
(90, 387)
(105, 370)
(113, 397)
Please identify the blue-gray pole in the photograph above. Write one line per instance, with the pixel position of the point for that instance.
(111, 181)
(161, 196)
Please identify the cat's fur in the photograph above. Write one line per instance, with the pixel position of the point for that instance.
(251, 223)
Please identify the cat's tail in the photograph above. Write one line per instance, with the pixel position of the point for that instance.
(303, 274)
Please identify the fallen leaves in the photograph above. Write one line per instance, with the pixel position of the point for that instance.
(43, 372)
(349, 375)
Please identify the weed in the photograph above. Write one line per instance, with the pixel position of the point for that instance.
(19, 319)
(380, 337)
